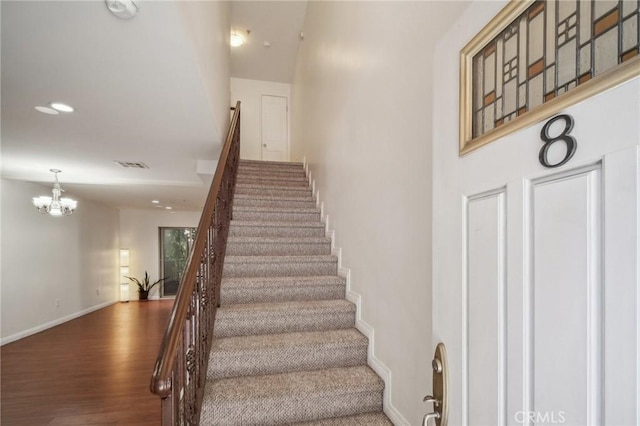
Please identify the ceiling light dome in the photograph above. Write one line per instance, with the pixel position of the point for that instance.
(59, 106)
(236, 40)
(123, 9)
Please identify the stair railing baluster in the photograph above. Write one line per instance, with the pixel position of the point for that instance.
(180, 372)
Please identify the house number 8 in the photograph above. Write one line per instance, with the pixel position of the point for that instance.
(564, 136)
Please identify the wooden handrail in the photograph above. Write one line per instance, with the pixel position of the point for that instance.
(179, 374)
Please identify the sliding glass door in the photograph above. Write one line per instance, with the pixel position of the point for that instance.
(175, 244)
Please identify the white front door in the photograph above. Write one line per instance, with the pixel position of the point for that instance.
(275, 135)
(536, 273)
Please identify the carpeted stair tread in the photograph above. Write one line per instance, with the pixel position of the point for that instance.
(285, 191)
(239, 223)
(369, 419)
(283, 317)
(282, 216)
(266, 186)
(289, 266)
(286, 352)
(274, 289)
(300, 178)
(279, 259)
(329, 338)
(272, 198)
(347, 381)
(291, 228)
(272, 176)
(296, 183)
(290, 240)
(285, 308)
(278, 246)
(279, 173)
(292, 397)
(266, 164)
(276, 209)
(280, 281)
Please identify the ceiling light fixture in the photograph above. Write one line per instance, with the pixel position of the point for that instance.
(155, 201)
(237, 39)
(61, 107)
(168, 208)
(55, 206)
(47, 110)
(123, 9)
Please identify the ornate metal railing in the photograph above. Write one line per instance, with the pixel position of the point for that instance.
(180, 373)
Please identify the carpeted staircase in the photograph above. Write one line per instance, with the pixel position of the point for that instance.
(285, 349)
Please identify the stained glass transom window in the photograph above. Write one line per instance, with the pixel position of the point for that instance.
(551, 48)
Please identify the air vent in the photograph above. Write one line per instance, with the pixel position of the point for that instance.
(132, 164)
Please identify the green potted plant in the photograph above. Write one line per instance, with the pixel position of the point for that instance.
(145, 285)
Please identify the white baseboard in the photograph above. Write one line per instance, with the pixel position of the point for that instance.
(50, 324)
(365, 328)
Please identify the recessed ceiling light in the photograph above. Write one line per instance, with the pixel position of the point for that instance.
(47, 110)
(236, 40)
(168, 208)
(155, 201)
(61, 107)
(267, 44)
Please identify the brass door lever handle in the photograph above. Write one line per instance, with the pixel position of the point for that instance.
(440, 381)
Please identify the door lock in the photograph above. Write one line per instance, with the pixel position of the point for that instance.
(440, 398)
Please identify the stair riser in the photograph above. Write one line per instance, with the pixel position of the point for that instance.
(281, 294)
(277, 249)
(285, 204)
(302, 269)
(276, 216)
(283, 360)
(293, 192)
(275, 231)
(279, 323)
(274, 182)
(296, 408)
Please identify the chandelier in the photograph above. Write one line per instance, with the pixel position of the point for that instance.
(55, 206)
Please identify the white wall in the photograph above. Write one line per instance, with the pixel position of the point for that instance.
(72, 259)
(139, 232)
(207, 24)
(250, 92)
(362, 113)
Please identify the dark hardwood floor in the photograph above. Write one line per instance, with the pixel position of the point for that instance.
(94, 370)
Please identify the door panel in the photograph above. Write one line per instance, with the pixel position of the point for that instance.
(564, 298)
(275, 137)
(485, 306)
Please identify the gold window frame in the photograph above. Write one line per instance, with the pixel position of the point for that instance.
(608, 79)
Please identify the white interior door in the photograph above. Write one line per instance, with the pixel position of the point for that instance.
(275, 135)
(536, 273)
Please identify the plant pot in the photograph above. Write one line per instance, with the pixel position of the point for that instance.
(143, 295)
